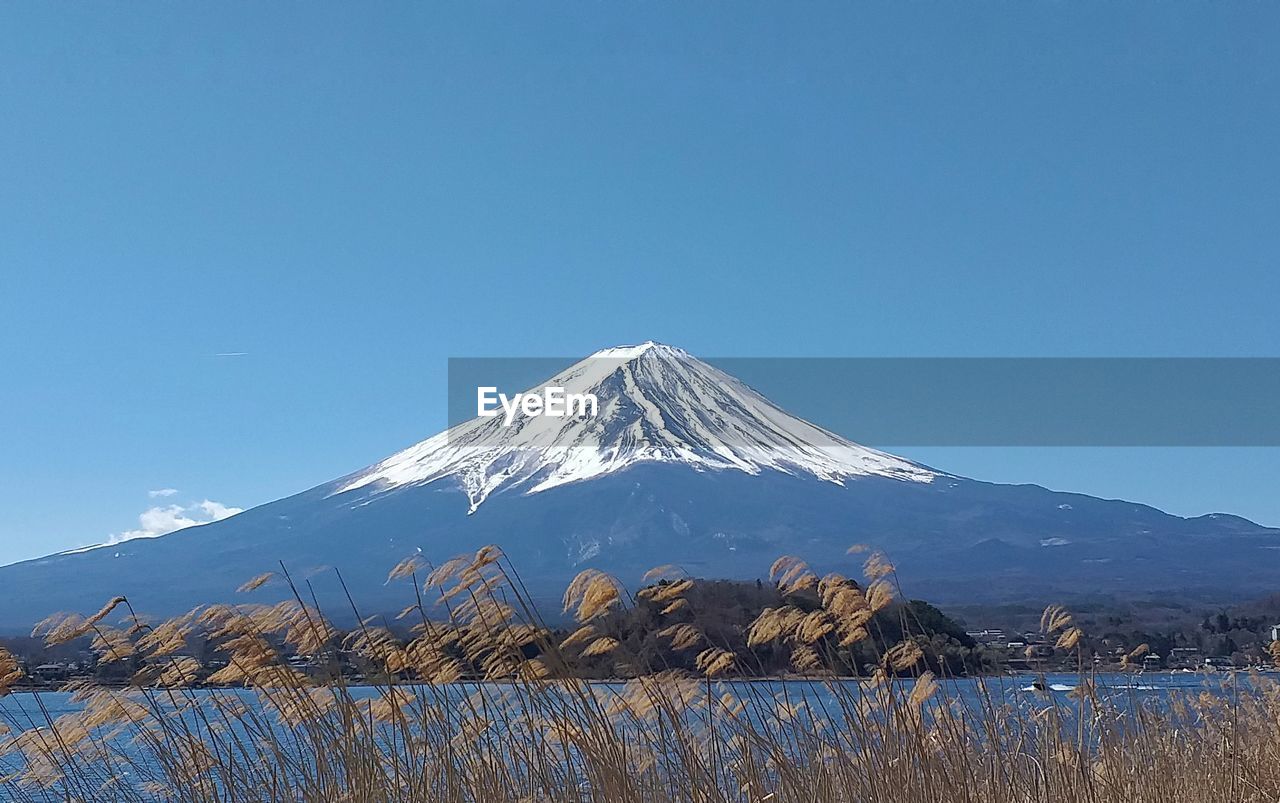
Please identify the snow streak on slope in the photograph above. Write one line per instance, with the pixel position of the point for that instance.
(656, 404)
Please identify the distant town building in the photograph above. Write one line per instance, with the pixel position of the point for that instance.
(991, 637)
(51, 673)
(1184, 658)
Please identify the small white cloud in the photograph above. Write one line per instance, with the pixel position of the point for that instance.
(162, 492)
(165, 519)
(216, 511)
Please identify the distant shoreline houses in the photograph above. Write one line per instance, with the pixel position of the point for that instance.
(1032, 651)
(57, 672)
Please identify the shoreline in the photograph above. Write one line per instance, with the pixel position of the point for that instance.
(775, 679)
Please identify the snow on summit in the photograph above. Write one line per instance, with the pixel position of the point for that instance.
(657, 404)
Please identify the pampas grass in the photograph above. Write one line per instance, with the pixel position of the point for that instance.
(480, 703)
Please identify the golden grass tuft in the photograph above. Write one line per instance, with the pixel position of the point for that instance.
(593, 593)
(602, 646)
(260, 581)
(683, 636)
(10, 671)
(714, 661)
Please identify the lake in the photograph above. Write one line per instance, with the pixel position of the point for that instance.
(1115, 687)
(1023, 695)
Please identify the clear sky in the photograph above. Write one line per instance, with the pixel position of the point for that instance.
(344, 195)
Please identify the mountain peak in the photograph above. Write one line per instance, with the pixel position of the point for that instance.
(656, 404)
(631, 352)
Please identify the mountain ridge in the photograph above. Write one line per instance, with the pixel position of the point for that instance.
(732, 484)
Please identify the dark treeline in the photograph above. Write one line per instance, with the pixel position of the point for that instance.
(723, 612)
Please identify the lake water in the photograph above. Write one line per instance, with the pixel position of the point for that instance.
(23, 707)
(1025, 692)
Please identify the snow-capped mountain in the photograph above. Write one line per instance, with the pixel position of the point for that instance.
(681, 463)
(656, 404)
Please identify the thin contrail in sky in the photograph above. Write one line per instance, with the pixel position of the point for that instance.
(232, 354)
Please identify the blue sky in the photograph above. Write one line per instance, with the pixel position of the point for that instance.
(349, 195)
